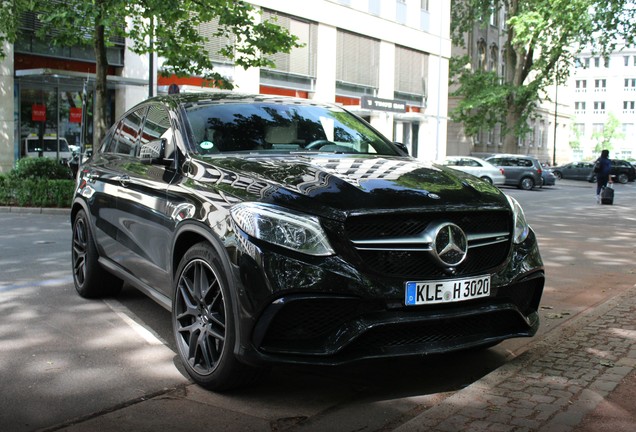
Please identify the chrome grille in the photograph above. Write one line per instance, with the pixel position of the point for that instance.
(396, 245)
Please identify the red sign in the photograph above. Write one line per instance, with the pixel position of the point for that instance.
(75, 115)
(38, 112)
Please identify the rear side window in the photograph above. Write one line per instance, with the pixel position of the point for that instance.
(126, 137)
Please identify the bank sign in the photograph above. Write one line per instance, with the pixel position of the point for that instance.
(374, 103)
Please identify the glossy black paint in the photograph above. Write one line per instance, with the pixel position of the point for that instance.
(146, 215)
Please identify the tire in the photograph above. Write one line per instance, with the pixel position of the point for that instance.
(526, 183)
(558, 175)
(90, 278)
(623, 178)
(204, 324)
(487, 179)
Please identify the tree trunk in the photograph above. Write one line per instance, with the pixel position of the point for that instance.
(101, 71)
(510, 143)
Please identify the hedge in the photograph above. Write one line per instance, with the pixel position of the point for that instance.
(36, 192)
(37, 182)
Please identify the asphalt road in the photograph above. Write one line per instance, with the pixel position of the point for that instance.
(64, 358)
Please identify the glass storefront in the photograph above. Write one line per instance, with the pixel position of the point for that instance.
(62, 112)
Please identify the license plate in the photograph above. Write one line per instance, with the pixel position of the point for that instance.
(446, 291)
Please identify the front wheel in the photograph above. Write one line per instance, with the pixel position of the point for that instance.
(204, 323)
(623, 178)
(558, 175)
(526, 183)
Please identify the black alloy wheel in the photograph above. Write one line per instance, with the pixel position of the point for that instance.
(89, 277)
(203, 322)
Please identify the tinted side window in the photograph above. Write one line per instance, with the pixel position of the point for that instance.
(525, 162)
(126, 140)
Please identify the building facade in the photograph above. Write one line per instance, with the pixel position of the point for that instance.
(384, 60)
(603, 94)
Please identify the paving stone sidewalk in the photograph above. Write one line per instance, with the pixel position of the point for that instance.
(551, 387)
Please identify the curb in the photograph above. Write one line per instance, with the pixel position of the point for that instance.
(34, 210)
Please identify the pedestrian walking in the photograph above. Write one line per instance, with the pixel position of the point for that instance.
(602, 169)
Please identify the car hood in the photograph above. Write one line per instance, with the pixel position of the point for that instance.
(344, 184)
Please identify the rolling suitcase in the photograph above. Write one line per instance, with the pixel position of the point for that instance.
(607, 194)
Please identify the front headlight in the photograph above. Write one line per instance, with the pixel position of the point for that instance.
(291, 230)
(521, 227)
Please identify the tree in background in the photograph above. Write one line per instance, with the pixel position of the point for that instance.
(171, 26)
(541, 39)
(611, 131)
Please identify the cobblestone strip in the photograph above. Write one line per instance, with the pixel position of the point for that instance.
(550, 387)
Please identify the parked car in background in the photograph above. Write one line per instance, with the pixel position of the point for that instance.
(573, 170)
(547, 176)
(283, 230)
(521, 171)
(49, 147)
(477, 167)
(622, 172)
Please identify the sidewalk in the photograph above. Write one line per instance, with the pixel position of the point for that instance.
(579, 378)
(564, 383)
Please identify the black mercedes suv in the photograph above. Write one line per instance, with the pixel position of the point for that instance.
(283, 230)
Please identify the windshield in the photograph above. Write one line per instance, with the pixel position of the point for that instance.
(279, 128)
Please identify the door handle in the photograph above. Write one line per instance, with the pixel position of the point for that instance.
(123, 180)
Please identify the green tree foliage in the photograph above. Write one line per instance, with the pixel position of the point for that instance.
(540, 41)
(611, 131)
(173, 26)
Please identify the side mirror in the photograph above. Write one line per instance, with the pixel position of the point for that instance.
(154, 152)
(402, 147)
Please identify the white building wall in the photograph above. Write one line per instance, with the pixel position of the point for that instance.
(7, 111)
(614, 94)
(325, 87)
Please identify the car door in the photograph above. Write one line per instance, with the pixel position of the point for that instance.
(145, 226)
(107, 183)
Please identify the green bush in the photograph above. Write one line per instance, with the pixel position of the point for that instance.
(37, 182)
(42, 168)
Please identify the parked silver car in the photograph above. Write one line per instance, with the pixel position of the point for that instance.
(477, 167)
(521, 171)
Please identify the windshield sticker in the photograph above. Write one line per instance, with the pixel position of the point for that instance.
(206, 145)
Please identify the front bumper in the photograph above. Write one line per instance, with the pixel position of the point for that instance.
(326, 313)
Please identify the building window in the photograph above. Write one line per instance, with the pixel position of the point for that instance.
(581, 85)
(411, 71)
(400, 12)
(579, 106)
(357, 59)
(626, 59)
(374, 7)
(300, 61)
(630, 83)
(580, 129)
(494, 15)
(629, 106)
(606, 62)
(586, 63)
(599, 107)
(597, 62)
(494, 58)
(600, 85)
(481, 55)
(598, 128)
(425, 16)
